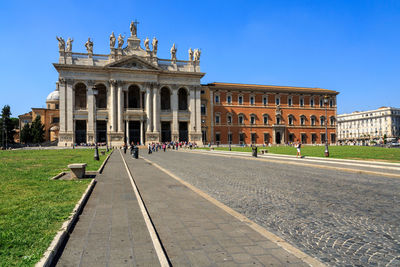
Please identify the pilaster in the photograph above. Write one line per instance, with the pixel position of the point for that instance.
(91, 113)
(112, 106)
(156, 109)
(70, 106)
(175, 110)
(120, 107)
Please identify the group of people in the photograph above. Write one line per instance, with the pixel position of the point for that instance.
(155, 147)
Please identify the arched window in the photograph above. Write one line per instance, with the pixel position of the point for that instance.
(322, 120)
(133, 96)
(80, 96)
(265, 118)
(229, 118)
(101, 99)
(241, 119)
(313, 120)
(183, 99)
(332, 120)
(252, 119)
(165, 98)
(240, 99)
(312, 102)
(290, 119)
(302, 120)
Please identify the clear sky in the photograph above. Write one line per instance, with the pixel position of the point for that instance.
(349, 46)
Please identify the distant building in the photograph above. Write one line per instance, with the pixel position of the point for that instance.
(49, 116)
(373, 125)
(267, 114)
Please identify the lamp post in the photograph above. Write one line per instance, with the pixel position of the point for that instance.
(96, 149)
(106, 137)
(110, 137)
(326, 125)
(229, 134)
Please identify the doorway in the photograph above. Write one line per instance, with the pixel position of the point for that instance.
(165, 131)
(134, 132)
(183, 132)
(80, 132)
(278, 137)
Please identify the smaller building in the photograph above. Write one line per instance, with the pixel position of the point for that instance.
(49, 116)
(362, 127)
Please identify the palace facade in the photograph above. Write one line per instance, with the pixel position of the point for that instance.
(129, 95)
(264, 114)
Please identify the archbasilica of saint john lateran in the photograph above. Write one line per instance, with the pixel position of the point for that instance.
(129, 95)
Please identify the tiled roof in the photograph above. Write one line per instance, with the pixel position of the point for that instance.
(275, 88)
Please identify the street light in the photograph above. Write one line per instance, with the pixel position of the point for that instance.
(106, 138)
(96, 149)
(326, 125)
(229, 133)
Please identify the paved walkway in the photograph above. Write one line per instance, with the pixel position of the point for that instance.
(111, 230)
(193, 231)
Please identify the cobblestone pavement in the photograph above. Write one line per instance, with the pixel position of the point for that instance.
(339, 217)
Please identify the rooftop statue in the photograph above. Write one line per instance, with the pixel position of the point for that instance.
(133, 29)
(120, 41)
(69, 44)
(190, 54)
(197, 53)
(173, 52)
(146, 44)
(112, 40)
(155, 45)
(61, 43)
(89, 46)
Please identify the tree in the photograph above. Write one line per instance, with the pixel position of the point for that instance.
(6, 126)
(26, 134)
(37, 129)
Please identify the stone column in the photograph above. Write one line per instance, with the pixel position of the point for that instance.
(91, 113)
(62, 107)
(149, 112)
(70, 107)
(156, 110)
(192, 108)
(112, 107)
(141, 133)
(175, 110)
(120, 107)
(198, 110)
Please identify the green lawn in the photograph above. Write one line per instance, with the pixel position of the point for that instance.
(343, 152)
(32, 207)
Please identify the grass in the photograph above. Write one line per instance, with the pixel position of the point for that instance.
(33, 207)
(342, 152)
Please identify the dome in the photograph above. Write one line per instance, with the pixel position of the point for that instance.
(53, 96)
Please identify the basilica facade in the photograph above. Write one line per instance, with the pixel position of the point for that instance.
(129, 95)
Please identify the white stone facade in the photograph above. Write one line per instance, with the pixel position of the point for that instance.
(369, 125)
(128, 95)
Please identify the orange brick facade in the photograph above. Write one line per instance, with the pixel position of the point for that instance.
(280, 114)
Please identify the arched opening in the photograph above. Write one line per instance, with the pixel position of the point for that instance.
(133, 96)
(182, 99)
(278, 137)
(165, 98)
(101, 99)
(80, 96)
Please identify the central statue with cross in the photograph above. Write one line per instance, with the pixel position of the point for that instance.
(133, 28)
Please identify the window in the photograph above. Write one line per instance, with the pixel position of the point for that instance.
(241, 138)
(301, 102)
(217, 119)
(333, 138)
(48, 106)
(216, 98)
(322, 121)
(278, 120)
(277, 100)
(55, 120)
(312, 120)
(290, 120)
(265, 100)
(312, 102)
(253, 138)
(330, 103)
(251, 100)
(313, 138)
(203, 92)
(203, 109)
(266, 137)
(252, 119)
(229, 99)
(290, 101)
(217, 138)
(323, 138)
(57, 107)
(229, 119)
(240, 100)
(265, 119)
(240, 119)
(321, 102)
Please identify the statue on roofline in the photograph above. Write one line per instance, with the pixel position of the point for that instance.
(133, 29)
(61, 43)
(69, 44)
(146, 44)
(155, 45)
(197, 53)
(190, 54)
(112, 40)
(120, 41)
(173, 52)
(89, 46)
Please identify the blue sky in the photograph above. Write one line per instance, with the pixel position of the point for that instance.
(349, 46)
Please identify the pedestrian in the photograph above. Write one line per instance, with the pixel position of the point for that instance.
(125, 147)
(149, 147)
(298, 147)
(164, 146)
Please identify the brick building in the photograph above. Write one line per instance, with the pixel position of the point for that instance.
(248, 113)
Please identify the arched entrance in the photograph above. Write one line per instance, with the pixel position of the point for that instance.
(165, 99)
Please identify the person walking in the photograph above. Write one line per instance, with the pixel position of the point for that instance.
(298, 147)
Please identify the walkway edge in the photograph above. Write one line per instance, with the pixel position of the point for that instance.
(55, 245)
(261, 230)
(100, 170)
(150, 227)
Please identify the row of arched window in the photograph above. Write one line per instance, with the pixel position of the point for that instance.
(134, 98)
(313, 121)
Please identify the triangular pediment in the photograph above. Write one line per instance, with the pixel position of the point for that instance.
(133, 63)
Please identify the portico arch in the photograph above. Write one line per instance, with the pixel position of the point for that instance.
(80, 96)
(165, 98)
(183, 99)
(133, 96)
